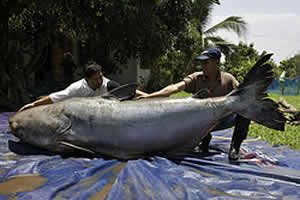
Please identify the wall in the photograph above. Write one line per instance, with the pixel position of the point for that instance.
(132, 73)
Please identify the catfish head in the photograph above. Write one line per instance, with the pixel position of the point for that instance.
(37, 126)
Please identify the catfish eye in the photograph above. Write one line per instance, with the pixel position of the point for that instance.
(13, 126)
(10, 123)
(16, 129)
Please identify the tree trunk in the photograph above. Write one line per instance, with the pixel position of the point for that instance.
(292, 115)
(17, 67)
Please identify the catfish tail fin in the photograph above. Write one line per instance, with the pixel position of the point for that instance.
(255, 103)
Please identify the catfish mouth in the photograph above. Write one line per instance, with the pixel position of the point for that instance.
(12, 127)
(12, 124)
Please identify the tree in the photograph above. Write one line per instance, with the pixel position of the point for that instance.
(25, 49)
(291, 66)
(122, 29)
(233, 24)
(241, 59)
(178, 60)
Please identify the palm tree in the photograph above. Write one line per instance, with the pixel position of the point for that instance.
(202, 12)
(234, 24)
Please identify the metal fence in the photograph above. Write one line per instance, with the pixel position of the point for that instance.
(291, 86)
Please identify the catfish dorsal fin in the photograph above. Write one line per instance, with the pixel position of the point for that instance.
(124, 92)
(202, 94)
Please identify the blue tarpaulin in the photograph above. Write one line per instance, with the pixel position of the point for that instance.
(264, 172)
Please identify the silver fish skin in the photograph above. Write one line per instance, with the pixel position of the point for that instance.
(125, 130)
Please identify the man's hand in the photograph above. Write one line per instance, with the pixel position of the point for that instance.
(42, 101)
(140, 93)
(27, 106)
(143, 96)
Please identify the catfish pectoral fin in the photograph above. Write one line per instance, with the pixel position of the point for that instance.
(76, 147)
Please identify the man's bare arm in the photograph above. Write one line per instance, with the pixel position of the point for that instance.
(42, 101)
(167, 91)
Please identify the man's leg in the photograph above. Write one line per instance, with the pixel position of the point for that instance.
(239, 134)
(226, 122)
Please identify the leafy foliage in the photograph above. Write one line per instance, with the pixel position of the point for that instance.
(232, 23)
(178, 61)
(241, 60)
(117, 30)
(291, 66)
(129, 27)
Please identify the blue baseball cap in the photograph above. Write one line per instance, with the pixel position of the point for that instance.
(210, 53)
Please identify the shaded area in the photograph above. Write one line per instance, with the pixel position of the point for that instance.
(264, 172)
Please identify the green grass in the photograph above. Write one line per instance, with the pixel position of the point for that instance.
(290, 137)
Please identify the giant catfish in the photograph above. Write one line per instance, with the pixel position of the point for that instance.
(137, 128)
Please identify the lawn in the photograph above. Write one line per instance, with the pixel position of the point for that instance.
(290, 137)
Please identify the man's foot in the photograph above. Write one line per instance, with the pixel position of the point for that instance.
(234, 154)
(204, 146)
(200, 148)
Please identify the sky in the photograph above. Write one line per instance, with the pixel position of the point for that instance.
(273, 25)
